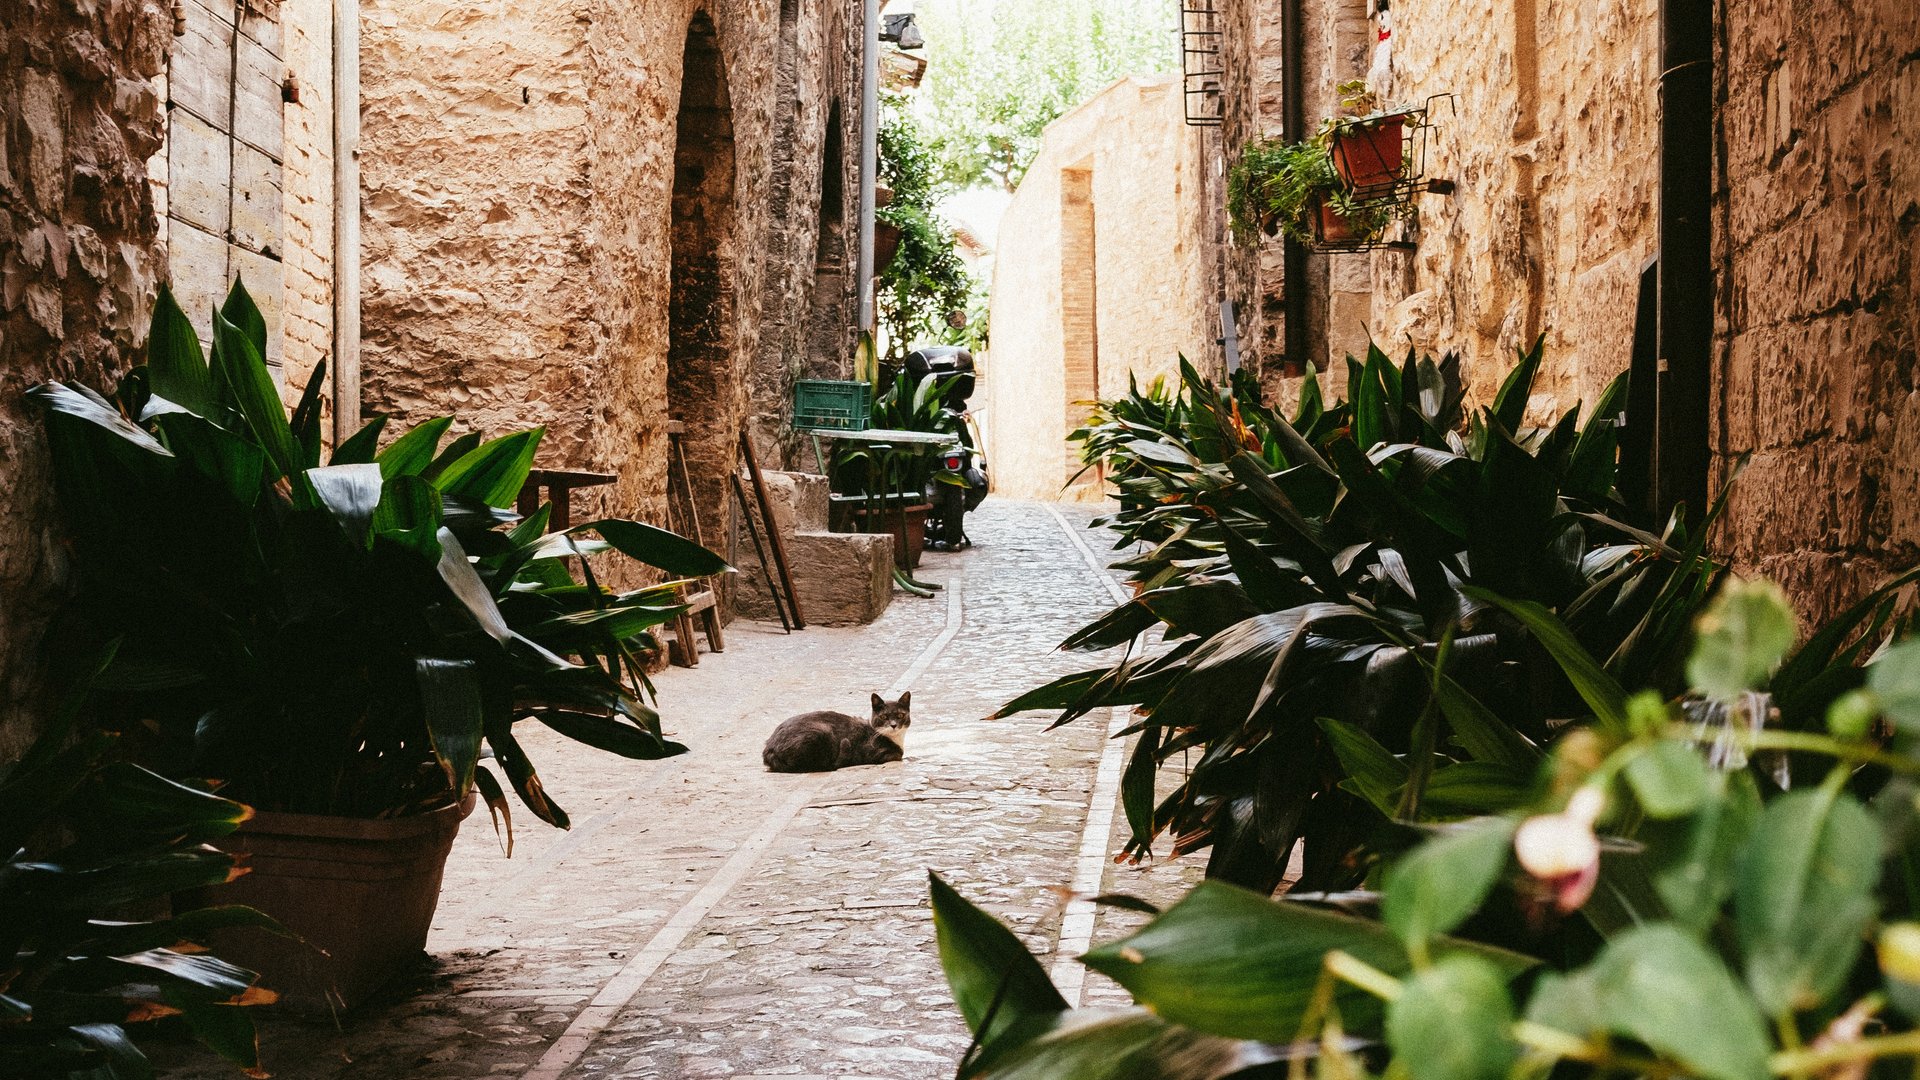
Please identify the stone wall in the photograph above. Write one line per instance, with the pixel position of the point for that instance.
(1818, 320)
(1120, 180)
(1551, 138)
(523, 199)
(79, 117)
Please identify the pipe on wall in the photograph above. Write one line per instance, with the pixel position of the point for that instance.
(1293, 121)
(1681, 456)
(869, 156)
(346, 218)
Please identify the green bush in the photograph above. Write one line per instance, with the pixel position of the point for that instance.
(1330, 664)
(95, 846)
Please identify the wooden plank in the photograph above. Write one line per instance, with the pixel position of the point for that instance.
(200, 67)
(197, 265)
(198, 163)
(257, 78)
(256, 213)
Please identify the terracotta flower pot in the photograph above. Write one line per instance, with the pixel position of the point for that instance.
(1334, 225)
(361, 892)
(1369, 157)
(886, 244)
(849, 515)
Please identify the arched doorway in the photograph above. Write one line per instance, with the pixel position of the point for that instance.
(704, 388)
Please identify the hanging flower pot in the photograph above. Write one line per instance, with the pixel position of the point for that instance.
(1369, 154)
(1334, 226)
(886, 244)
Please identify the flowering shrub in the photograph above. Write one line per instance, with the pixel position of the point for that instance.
(1688, 890)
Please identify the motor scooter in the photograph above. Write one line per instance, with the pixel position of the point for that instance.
(959, 485)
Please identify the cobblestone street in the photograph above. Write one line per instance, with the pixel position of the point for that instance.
(704, 918)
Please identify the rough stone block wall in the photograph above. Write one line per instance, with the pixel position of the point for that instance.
(478, 296)
(1151, 293)
(1551, 140)
(79, 117)
(519, 170)
(1819, 322)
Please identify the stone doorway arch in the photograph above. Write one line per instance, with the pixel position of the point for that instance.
(705, 386)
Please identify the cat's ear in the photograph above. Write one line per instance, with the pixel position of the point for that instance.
(905, 698)
(879, 703)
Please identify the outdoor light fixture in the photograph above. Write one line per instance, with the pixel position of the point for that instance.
(900, 30)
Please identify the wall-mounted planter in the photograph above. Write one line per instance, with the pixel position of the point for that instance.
(886, 244)
(1371, 154)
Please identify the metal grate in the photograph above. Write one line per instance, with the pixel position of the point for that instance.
(1202, 28)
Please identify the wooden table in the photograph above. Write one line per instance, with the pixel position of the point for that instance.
(559, 484)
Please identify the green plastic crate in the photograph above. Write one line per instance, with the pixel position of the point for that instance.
(832, 405)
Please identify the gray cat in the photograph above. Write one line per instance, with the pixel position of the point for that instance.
(825, 741)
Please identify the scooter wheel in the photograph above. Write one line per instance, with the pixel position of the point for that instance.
(952, 509)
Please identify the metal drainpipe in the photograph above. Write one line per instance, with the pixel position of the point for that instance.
(1685, 334)
(869, 156)
(1293, 120)
(346, 219)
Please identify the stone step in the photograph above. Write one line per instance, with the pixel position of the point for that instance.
(843, 579)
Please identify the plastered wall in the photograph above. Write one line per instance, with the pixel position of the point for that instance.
(1119, 179)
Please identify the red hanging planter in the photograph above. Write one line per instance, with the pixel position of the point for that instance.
(1370, 155)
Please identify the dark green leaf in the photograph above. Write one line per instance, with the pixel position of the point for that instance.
(1435, 887)
(455, 716)
(1692, 860)
(362, 446)
(993, 977)
(175, 363)
(351, 493)
(409, 454)
(1656, 984)
(656, 547)
(1805, 895)
(1510, 404)
(1600, 691)
(1234, 963)
(1452, 1021)
(609, 734)
(1377, 774)
(1133, 1044)
(494, 472)
(1670, 779)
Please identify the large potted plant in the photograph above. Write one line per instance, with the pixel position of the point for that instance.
(876, 490)
(337, 643)
(87, 954)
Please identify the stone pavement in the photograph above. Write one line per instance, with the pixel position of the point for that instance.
(704, 918)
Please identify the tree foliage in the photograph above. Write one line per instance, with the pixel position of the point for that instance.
(926, 278)
(1000, 72)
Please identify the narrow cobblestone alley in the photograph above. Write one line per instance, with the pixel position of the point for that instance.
(704, 918)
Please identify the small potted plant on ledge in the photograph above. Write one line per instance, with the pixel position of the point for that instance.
(1368, 149)
(1292, 188)
(337, 643)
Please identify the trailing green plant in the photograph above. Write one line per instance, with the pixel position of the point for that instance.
(1313, 582)
(1687, 890)
(341, 638)
(95, 846)
(1277, 185)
